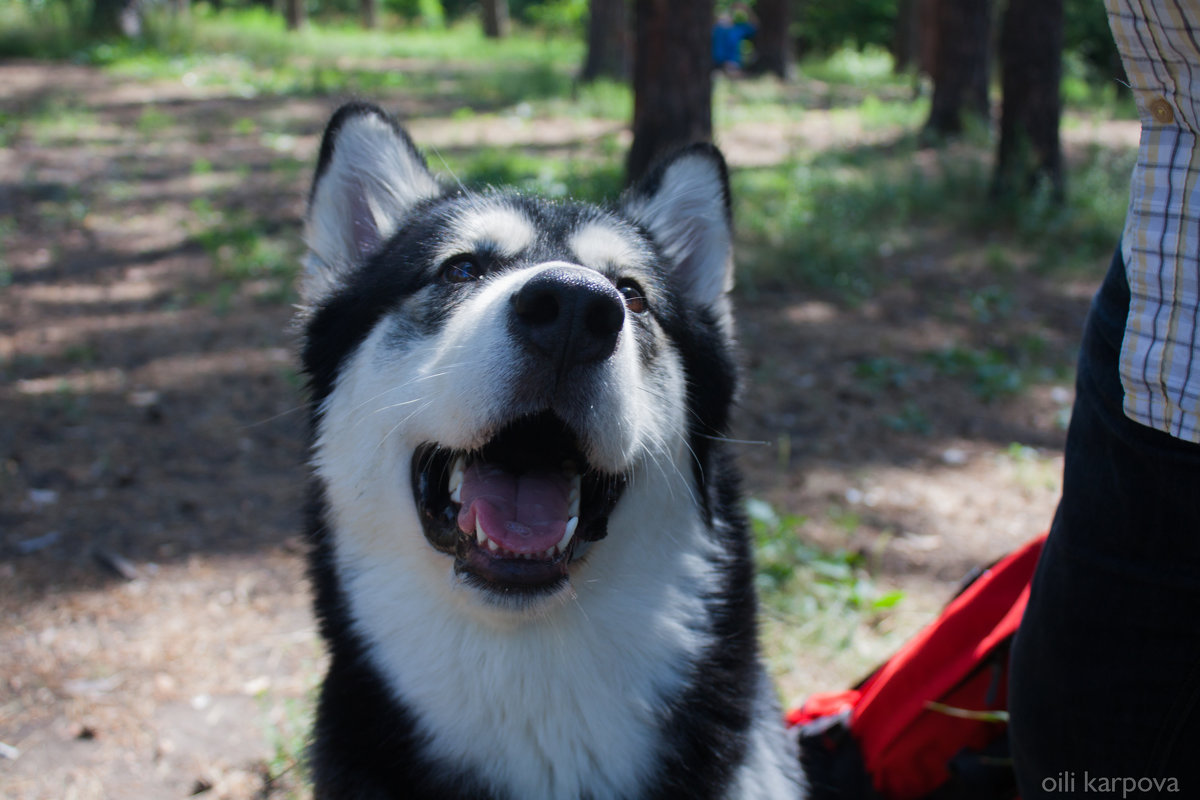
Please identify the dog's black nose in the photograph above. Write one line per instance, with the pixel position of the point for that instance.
(571, 315)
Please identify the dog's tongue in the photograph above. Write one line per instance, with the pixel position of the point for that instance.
(524, 513)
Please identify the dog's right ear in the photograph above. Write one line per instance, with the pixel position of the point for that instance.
(369, 175)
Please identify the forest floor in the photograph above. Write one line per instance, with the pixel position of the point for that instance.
(155, 633)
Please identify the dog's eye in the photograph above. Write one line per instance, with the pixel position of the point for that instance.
(461, 269)
(635, 297)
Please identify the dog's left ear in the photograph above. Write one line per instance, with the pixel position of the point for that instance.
(369, 176)
(684, 203)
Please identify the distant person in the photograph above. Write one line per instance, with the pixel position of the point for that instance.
(732, 29)
(1105, 682)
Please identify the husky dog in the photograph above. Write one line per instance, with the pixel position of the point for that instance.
(529, 561)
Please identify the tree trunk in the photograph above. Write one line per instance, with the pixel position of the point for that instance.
(773, 44)
(116, 18)
(1031, 44)
(370, 14)
(495, 18)
(608, 53)
(296, 14)
(927, 37)
(960, 78)
(906, 36)
(672, 79)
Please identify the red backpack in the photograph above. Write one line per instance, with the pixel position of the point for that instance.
(930, 722)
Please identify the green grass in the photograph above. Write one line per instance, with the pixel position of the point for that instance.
(828, 221)
(242, 252)
(577, 178)
(834, 220)
(795, 578)
(990, 373)
(287, 767)
(869, 68)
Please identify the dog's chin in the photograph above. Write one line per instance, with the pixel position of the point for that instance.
(505, 549)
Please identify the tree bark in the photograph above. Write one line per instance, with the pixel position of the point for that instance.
(773, 43)
(370, 14)
(608, 53)
(962, 65)
(1031, 44)
(495, 18)
(116, 18)
(927, 37)
(906, 37)
(672, 79)
(296, 14)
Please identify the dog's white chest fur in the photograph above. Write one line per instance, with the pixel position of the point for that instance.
(565, 704)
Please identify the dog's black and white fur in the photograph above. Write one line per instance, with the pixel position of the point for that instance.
(457, 343)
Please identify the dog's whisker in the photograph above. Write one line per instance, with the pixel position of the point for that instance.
(731, 440)
(446, 370)
(400, 425)
(272, 418)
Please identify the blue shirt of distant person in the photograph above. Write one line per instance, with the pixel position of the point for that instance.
(727, 39)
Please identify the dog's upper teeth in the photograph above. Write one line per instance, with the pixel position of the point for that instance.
(480, 536)
(576, 491)
(456, 479)
(572, 524)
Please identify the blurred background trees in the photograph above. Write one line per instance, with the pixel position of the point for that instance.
(1031, 45)
(663, 48)
(672, 79)
(609, 33)
(960, 40)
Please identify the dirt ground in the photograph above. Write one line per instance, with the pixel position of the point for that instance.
(155, 635)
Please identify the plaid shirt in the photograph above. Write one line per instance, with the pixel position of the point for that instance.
(1159, 42)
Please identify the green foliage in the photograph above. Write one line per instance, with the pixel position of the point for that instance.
(428, 13)
(7, 229)
(581, 179)
(822, 27)
(826, 221)
(152, 121)
(1086, 33)
(863, 67)
(563, 16)
(242, 253)
(254, 36)
(42, 28)
(991, 373)
(881, 373)
(911, 418)
(793, 573)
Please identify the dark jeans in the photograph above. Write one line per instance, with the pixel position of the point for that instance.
(1106, 666)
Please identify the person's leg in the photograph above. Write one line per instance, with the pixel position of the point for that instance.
(1105, 677)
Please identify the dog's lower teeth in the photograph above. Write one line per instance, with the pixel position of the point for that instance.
(572, 523)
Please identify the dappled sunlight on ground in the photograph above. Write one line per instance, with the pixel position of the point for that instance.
(155, 637)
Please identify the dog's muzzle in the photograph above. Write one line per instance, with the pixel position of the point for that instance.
(516, 512)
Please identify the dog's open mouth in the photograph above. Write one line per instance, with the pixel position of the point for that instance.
(516, 513)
